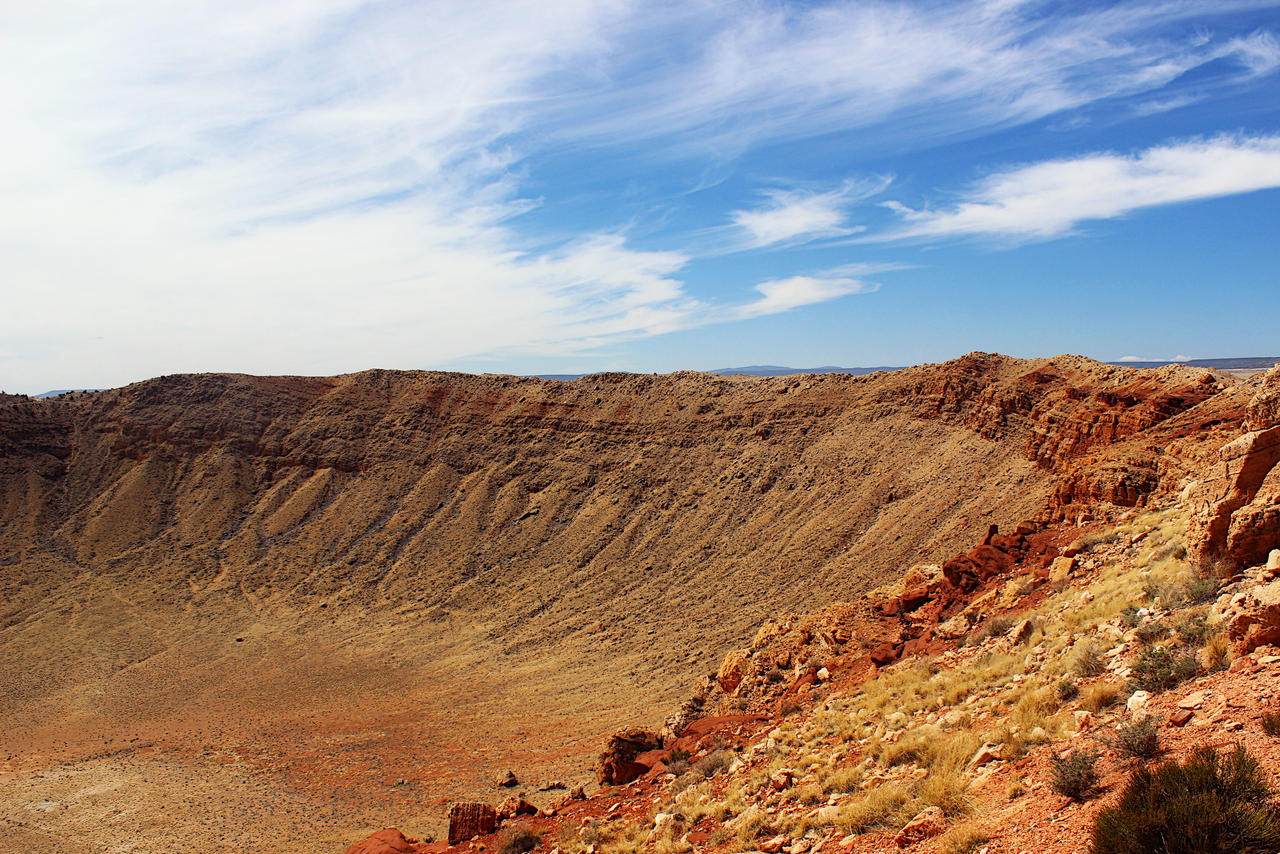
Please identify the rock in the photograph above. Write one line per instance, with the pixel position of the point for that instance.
(885, 653)
(389, 841)
(773, 845)
(1252, 616)
(1061, 568)
(617, 762)
(666, 824)
(928, 822)
(736, 666)
(986, 753)
(956, 627)
(823, 674)
(782, 779)
(506, 779)
(1137, 702)
(1022, 631)
(1084, 719)
(750, 815)
(513, 806)
(1192, 701)
(1181, 717)
(551, 785)
(1235, 508)
(578, 793)
(469, 820)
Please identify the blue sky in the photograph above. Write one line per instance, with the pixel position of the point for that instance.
(562, 187)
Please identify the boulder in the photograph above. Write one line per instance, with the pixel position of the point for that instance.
(506, 779)
(469, 820)
(737, 665)
(389, 841)
(1061, 569)
(928, 822)
(513, 806)
(618, 761)
(972, 569)
(1235, 504)
(1252, 616)
(1137, 702)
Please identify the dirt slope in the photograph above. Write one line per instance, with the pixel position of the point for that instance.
(375, 589)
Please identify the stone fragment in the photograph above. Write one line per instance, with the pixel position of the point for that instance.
(984, 754)
(513, 806)
(506, 779)
(469, 820)
(1181, 717)
(928, 822)
(772, 845)
(1193, 700)
(1137, 702)
(1061, 568)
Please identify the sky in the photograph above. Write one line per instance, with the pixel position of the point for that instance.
(564, 186)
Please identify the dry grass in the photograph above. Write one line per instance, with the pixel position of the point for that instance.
(1100, 696)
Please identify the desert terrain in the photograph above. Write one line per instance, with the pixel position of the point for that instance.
(276, 613)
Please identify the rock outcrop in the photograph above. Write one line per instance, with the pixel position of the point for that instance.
(389, 841)
(618, 763)
(1236, 501)
(468, 820)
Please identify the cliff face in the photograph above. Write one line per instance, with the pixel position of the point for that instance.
(233, 548)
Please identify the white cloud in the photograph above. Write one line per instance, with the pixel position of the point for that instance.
(800, 216)
(782, 295)
(323, 186)
(1048, 199)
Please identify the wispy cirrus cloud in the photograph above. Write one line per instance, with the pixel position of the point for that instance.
(1049, 199)
(799, 216)
(318, 187)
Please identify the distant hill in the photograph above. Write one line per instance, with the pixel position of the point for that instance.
(1251, 363)
(58, 391)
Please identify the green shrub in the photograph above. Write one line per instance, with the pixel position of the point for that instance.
(1076, 775)
(1137, 740)
(1068, 689)
(1212, 804)
(1159, 670)
(1193, 628)
(1129, 617)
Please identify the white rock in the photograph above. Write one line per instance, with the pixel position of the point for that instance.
(1137, 702)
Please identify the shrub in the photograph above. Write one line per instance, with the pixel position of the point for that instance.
(879, 806)
(1212, 804)
(1216, 654)
(946, 789)
(1137, 740)
(1076, 775)
(1152, 632)
(711, 763)
(1159, 670)
(963, 839)
(1100, 696)
(1193, 628)
(1129, 617)
(789, 706)
(1088, 661)
(1068, 689)
(1271, 724)
(774, 675)
(517, 840)
(992, 628)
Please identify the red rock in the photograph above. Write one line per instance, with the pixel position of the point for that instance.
(513, 806)
(617, 762)
(1181, 717)
(1236, 501)
(737, 665)
(885, 653)
(469, 820)
(389, 841)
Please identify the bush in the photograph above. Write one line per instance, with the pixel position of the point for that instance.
(1216, 654)
(518, 840)
(713, 762)
(1068, 689)
(992, 628)
(963, 839)
(1212, 804)
(1076, 775)
(1129, 617)
(1159, 670)
(774, 675)
(1271, 724)
(1099, 696)
(1137, 740)
(1088, 661)
(1152, 632)
(1193, 628)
